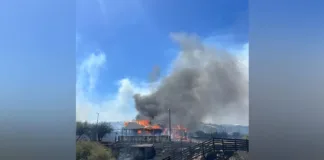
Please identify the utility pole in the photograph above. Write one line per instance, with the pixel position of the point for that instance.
(97, 135)
(169, 123)
(182, 134)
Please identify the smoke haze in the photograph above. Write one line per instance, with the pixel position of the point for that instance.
(205, 84)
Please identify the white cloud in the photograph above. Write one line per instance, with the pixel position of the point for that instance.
(87, 75)
(119, 106)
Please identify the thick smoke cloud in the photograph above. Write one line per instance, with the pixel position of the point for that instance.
(205, 83)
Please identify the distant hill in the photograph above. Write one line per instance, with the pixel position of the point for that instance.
(204, 127)
(229, 128)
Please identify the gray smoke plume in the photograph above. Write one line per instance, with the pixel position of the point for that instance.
(205, 83)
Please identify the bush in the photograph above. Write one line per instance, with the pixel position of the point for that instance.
(92, 151)
(92, 130)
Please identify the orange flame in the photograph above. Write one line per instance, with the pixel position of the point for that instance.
(146, 124)
(178, 132)
(156, 127)
(143, 122)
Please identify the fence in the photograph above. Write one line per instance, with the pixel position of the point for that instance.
(143, 139)
(214, 145)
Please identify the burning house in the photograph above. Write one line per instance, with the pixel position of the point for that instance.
(142, 128)
(150, 128)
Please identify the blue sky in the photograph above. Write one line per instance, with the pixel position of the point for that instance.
(119, 43)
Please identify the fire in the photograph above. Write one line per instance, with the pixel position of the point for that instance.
(181, 128)
(153, 127)
(156, 127)
(146, 124)
(143, 122)
(178, 132)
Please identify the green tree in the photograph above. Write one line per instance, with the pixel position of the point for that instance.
(102, 129)
(83, 128)
(92, 130)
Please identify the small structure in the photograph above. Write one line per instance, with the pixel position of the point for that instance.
(138, 152)
(83, 138)
(143, 151)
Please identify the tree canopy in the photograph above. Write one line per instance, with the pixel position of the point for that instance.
(93, 130)
(103, 129)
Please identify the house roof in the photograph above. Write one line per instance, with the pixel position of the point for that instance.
(133, 125)
(82, 137)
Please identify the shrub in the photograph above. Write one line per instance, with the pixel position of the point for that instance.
(92, 151)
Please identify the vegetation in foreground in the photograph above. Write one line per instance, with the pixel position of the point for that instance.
(93, 151)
